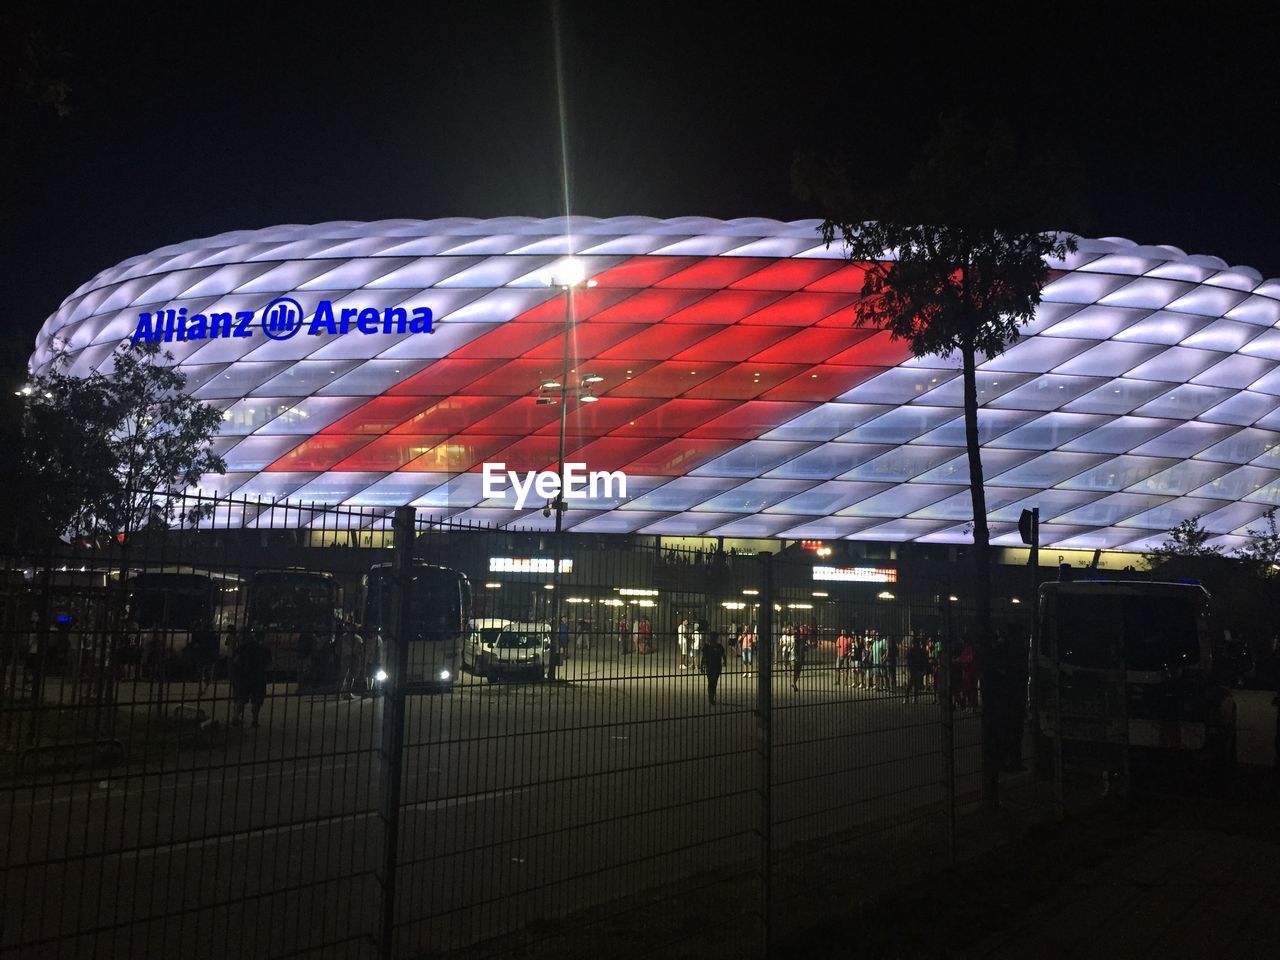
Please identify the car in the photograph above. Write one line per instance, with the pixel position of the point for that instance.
(506, 650)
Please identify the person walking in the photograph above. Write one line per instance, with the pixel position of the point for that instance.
(891, 664)
(644, 635)
(695, 643)
(799, 652)
(844, 647)
(682, 643)
(917, 667)
(787, 645)
(880, 661)
(248, 669)
(563, 637)
(747, 646)
(712, 660)
(353, 660)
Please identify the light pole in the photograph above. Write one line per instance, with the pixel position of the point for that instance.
(571, 276)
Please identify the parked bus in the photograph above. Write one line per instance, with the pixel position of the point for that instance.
(179, 618)
(1127, 670)
(295, 613)
(439, 618)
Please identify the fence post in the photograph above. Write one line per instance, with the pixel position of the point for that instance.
(391, 753)
(945, 698)
(764, 744)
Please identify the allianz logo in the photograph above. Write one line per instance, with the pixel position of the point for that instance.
(281, 319)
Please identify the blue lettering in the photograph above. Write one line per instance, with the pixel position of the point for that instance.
(399, 315)
(367, 321)
(180, 328)
(143, 333)
(421, 322)
(348, 314)
(322, 321)
(243, 319)
(197, 327)
(219, 325)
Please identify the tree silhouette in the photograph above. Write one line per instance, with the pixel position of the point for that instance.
(956, 257)
(103, 453)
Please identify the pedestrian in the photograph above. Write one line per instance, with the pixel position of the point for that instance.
(682, 643)
(353, 659)
(695, 643)
(788, 643)
(645, 634)
(712, 660)
(917, 667)
(880, 660)
(563, 637)
(747, 645)
(797, 662)
(891, 664)
(844, 647)
(248, 669)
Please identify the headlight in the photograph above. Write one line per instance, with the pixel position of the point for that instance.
(444, 674)
(380, 676)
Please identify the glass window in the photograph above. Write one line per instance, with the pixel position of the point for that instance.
(1154, 632)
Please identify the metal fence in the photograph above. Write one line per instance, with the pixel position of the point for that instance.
(575, 785)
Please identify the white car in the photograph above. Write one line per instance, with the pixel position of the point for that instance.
(505, 649)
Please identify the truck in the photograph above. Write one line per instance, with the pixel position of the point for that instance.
(1130, 670)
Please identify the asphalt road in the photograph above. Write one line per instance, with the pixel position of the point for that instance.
(519, 802)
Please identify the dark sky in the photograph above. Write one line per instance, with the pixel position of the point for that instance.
(185, 124)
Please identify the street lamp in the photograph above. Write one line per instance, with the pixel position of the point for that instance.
(570, 276)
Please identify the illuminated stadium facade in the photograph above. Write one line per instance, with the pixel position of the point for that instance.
(737, 395)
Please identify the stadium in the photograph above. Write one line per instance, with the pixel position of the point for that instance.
(717, 365)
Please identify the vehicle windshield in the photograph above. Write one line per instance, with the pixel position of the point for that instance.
(489, 635)
(174, 601)
(1154, 632)
(438, 607)
(296, 602)
(523, 639)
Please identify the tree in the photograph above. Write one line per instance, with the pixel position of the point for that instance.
(1262, 551)
(955, 259)
(1186, 540)
(108, 450)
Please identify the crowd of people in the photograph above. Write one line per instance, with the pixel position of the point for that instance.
(909, 666)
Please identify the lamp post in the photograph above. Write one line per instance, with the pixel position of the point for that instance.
(571, 276)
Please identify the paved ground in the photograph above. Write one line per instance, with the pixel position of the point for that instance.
(519, 803)
(1198, 879)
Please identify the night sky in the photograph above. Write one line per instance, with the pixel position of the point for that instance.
(186, 124)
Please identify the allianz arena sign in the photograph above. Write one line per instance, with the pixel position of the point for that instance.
(281, 319)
